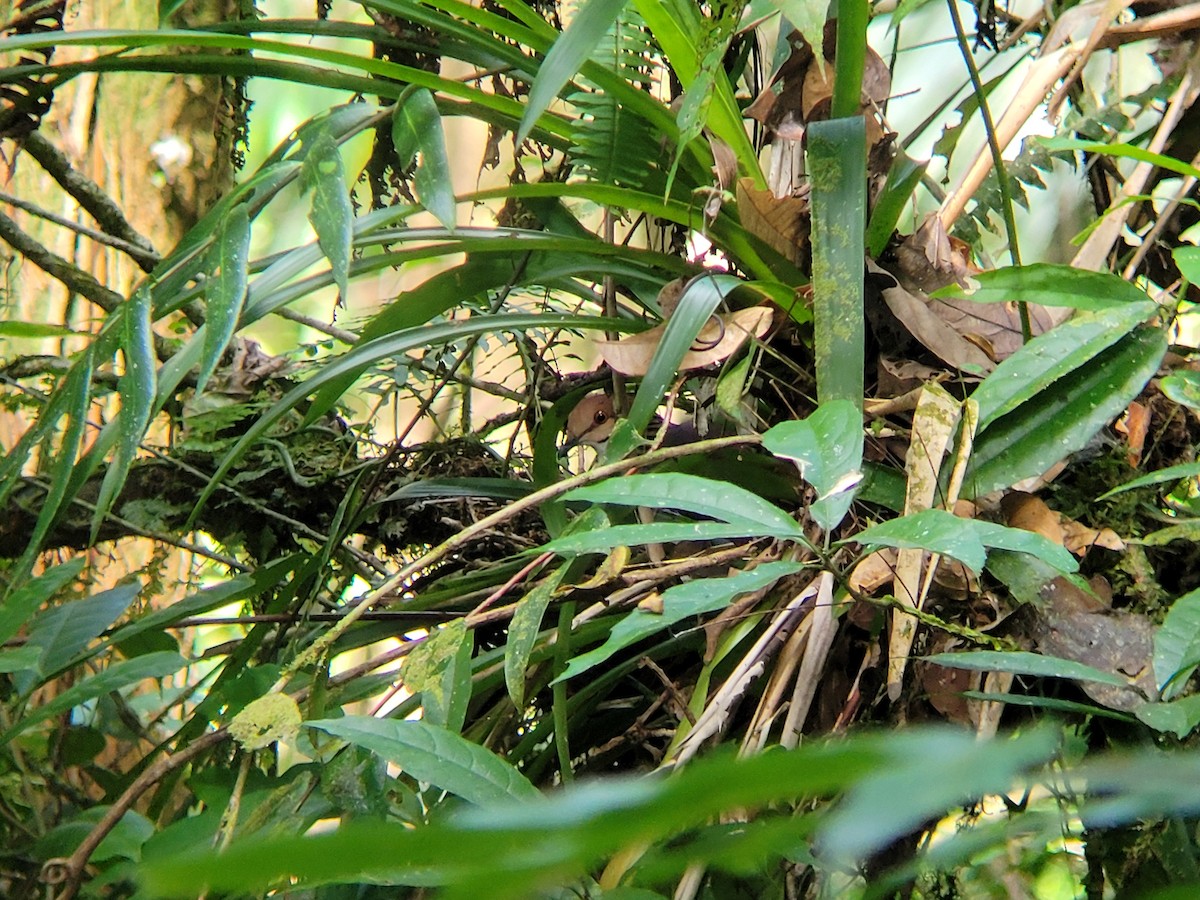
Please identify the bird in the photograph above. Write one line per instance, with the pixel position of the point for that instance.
(592, 420)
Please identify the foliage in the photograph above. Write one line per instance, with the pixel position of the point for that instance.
(425, 635)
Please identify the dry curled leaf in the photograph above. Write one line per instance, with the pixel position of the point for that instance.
(721, 337)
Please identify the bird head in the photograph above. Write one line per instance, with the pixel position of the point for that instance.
(590, 422)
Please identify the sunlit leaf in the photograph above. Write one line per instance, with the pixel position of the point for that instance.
(1023, 663)
(827, 447)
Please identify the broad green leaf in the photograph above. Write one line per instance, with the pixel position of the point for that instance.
(1187, 258)
(523, 631)
(1054, 703)
(228, 271)
(1180, 717)
(137, 388)
(827, 447)
(680, 602)
(1183, 387)
(1177, 645)
(837, 166)
(1051, 285)
(435, 756)
(434, 670)
(417, 128)
(24, 601)
(1020, 662)
(63, 631)
(570, 51)
(500, 850)
(1062, 418)
(331, 214)
(690, 493)
(114, 678)
(1051, 356)
(966, 540)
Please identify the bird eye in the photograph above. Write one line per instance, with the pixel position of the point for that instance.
(600, 418)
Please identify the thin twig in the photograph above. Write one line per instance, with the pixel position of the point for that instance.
(91, 197)
(69, 872)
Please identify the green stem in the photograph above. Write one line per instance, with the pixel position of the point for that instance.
(562, 652)
(850, 57)
(1010, 222)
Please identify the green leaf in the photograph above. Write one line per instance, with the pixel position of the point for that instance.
(807, 16)
(678, 603)
(25, 600)
(1051, 285)
(1187, 258)
(932, 772)
(1177, 645)
(1053, 355)
(1062, 144)
(605, 539)
(63, 631)
(694, 494)
(228, 271)
(20, 659)
(1022, 663)
(696, 306)
(828, 448)
(14, 329)
(837, 159)
(1183, 387)
(77, 390)
(523, 631)
(114, 678)
(1170, 473)
(417, 128)
(570, 51)
(1180, 717)
(1063, 417)
(434, 755)
(435, 669)
(903, 178)
(331, 214)
(966, 540)
(137, 389)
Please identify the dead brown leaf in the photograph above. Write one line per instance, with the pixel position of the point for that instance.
(721, 337)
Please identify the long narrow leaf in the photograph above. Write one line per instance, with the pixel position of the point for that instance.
(837, 158)
(227, 292)
(567, 56)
